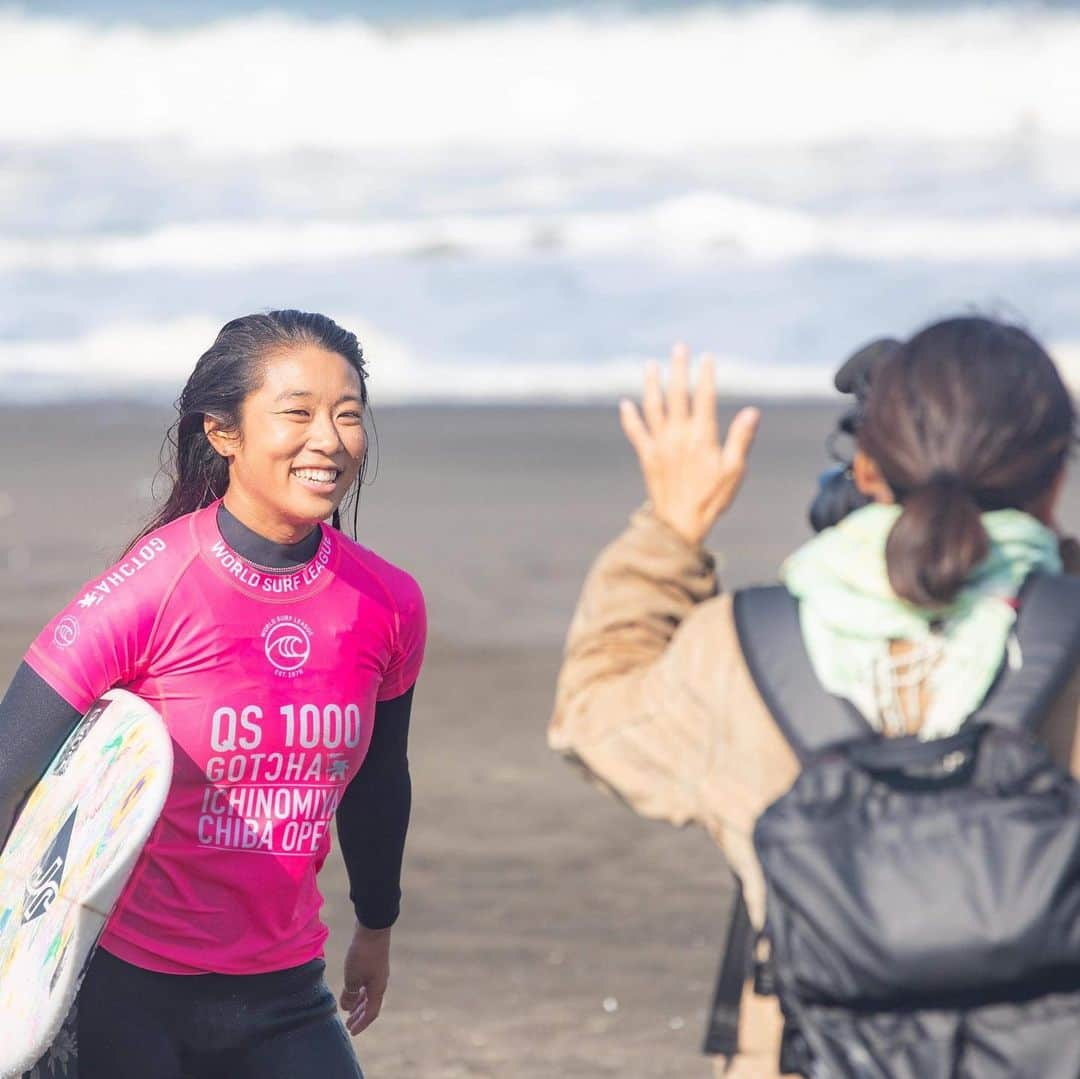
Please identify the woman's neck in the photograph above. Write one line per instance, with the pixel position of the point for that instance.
(262, 551)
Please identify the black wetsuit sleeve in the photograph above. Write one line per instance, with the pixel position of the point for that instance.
(34, 721)
(374, 816)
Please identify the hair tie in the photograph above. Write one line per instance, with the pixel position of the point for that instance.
(950, 483)
(942, 477)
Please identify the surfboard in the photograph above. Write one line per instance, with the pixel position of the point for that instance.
(66, 862)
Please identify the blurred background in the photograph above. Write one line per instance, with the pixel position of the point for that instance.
(521, 199)
(513, 205)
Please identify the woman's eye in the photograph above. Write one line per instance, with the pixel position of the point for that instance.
(296, 412)
(350, 416)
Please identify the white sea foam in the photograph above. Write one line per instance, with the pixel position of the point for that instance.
(777, 177)
(641, 84)
(155, 358)
(690, 226)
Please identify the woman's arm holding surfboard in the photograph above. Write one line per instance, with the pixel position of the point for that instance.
(34, 721)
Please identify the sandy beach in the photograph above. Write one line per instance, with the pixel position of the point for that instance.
(545, 930)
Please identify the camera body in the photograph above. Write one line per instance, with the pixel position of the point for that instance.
(837, 495)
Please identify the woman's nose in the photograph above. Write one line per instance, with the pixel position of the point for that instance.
(323, 434)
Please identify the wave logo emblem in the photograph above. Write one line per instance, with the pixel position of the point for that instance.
(287, 644)
(66, 632)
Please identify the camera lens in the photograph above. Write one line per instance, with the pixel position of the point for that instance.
(837, 497)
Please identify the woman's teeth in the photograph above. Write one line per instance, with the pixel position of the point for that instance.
(316, 475)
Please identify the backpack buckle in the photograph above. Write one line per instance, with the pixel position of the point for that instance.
(764, 968)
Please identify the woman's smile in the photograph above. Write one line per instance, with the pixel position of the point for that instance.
(321, 480)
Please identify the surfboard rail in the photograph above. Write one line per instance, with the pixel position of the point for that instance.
(67, 860)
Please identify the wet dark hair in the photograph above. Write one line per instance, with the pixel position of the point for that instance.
(968, 415)
(230, 369)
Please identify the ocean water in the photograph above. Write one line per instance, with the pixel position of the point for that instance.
(526, 200)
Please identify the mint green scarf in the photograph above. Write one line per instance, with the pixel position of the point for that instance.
(850, 613)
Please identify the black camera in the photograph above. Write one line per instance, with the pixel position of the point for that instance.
(837, 495)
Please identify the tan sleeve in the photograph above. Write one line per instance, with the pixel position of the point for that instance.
(624, 705)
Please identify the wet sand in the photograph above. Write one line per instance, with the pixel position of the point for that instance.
(545, 930)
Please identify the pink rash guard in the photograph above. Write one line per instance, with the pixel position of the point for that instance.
(267, 683)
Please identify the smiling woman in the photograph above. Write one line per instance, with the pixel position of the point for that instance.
(299, 444)
(272, 406)
(282, 656)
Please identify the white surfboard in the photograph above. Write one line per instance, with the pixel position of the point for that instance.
(67, 861)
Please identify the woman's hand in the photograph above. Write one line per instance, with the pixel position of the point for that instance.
(691, 478)
(367, 971)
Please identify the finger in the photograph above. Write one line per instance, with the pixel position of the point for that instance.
(705, 399)
(678, 403)
(740, 437)
(652, 404)
(354, 1024)
(353, 998)
(362, 1020)
(637, 434)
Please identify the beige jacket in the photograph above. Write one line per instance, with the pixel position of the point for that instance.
(654, 698)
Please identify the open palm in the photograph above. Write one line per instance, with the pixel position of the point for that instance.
(690, 475)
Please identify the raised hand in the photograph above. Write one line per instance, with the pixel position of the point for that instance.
(690, 475)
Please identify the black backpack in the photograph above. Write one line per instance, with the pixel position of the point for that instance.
(923, 898)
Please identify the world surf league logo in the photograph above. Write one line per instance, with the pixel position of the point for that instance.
(66, 632)
(44, 884)
(287, 644)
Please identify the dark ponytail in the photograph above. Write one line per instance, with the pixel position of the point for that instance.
(969, 415)
(225, 374)
(936, 542)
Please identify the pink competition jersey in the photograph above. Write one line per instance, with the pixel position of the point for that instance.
(267, 683)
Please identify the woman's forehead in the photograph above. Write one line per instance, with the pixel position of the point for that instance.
(310, 370)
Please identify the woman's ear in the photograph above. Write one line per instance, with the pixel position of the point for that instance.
(224, 442)
(869, 480)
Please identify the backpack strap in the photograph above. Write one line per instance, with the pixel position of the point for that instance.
(770, 636)
(722, 1026)
(767, 622)
(1048, 632)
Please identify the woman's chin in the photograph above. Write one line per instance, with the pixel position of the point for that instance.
(309, 511)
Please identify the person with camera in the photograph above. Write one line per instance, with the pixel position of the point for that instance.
(912, 686)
